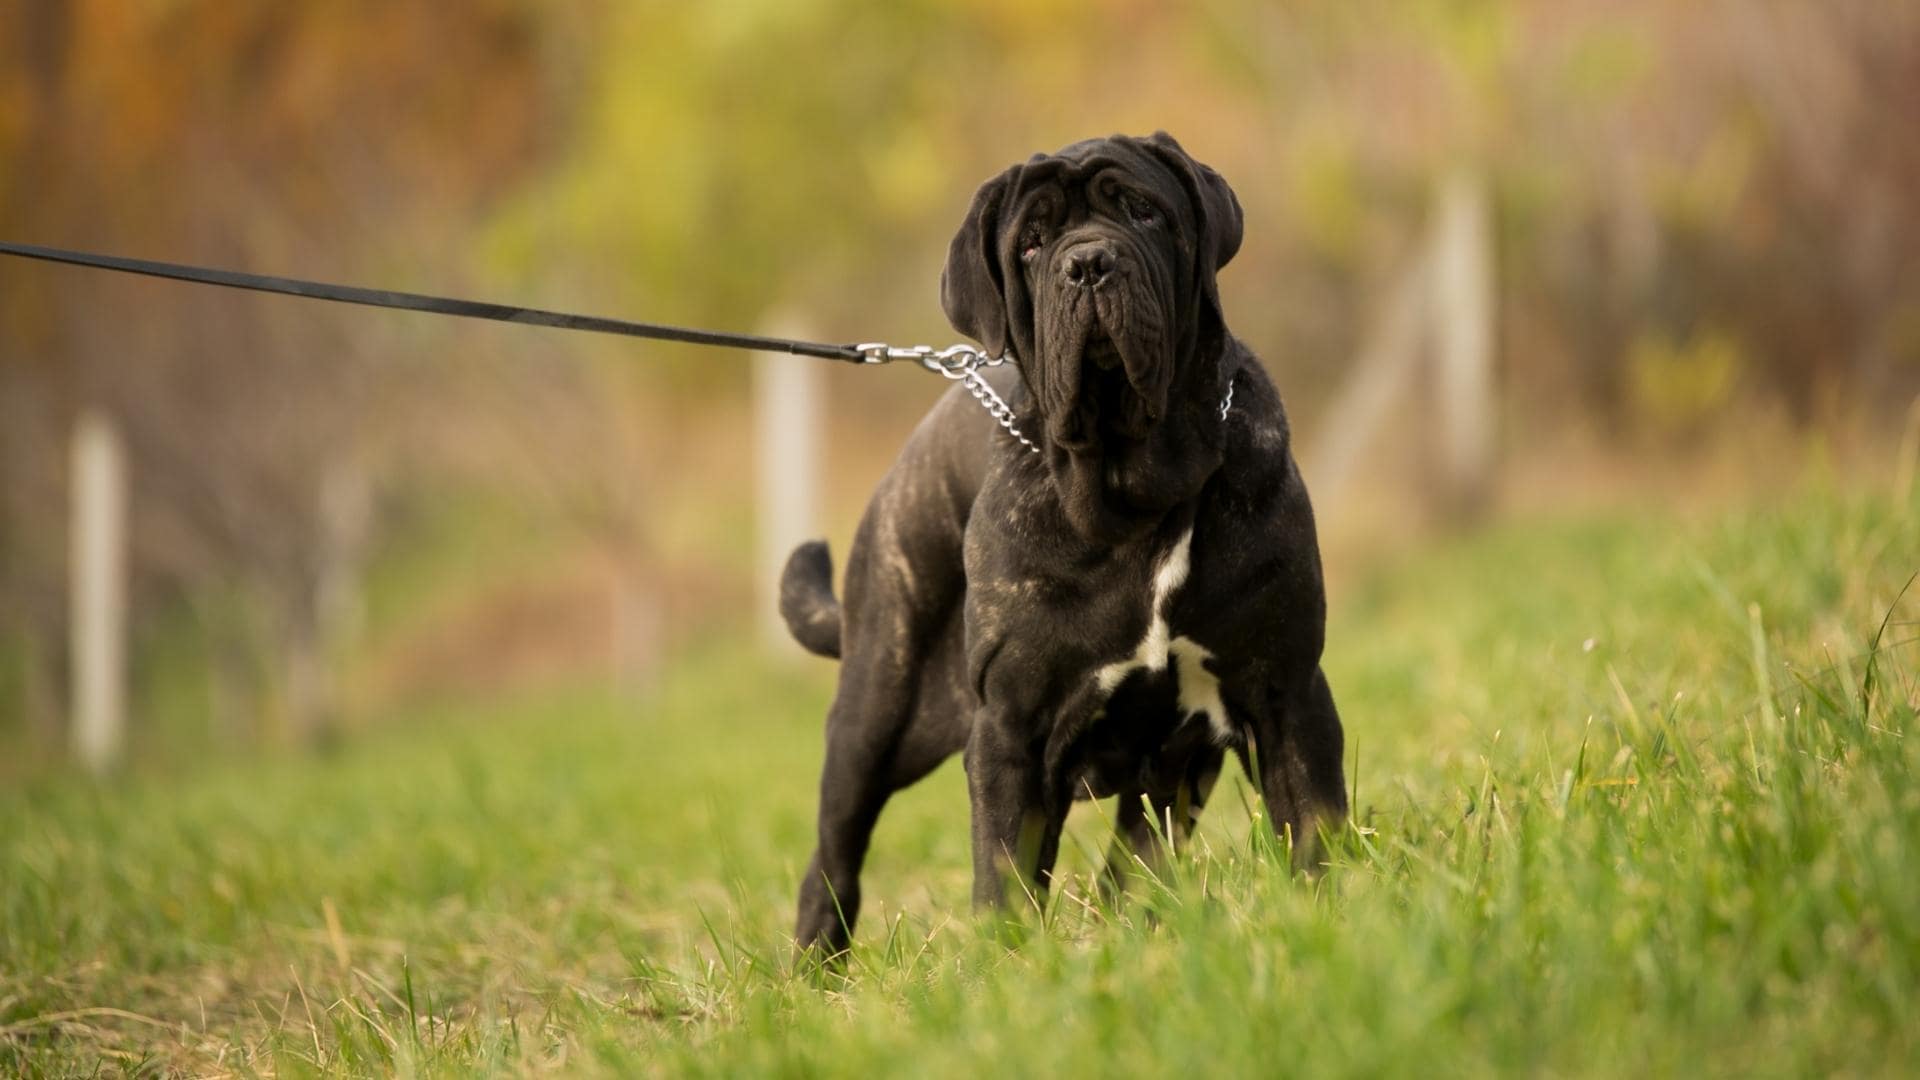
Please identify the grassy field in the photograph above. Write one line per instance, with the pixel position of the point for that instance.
(1635, 795)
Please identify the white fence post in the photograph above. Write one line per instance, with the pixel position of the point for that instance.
(98, 581)
(1388, 361)
(1439, 317)
(786, 423)
(1462, 314)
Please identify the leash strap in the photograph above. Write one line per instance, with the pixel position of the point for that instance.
(961, 363)
(440, 305)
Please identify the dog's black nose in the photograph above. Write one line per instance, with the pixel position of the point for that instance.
(1088, 265)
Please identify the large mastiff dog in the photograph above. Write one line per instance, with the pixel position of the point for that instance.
(1104, 615)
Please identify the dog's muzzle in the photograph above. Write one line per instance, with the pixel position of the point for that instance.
(1102, 344)
(1088, 265)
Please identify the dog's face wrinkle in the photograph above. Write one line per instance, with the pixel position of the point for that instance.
(1124, 318)
(1115, 363)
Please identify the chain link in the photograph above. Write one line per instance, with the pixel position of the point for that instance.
(995, 406)
(962, 364)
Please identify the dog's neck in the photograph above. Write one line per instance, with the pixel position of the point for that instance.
(1117, 489)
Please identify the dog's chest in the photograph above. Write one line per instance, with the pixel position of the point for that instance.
(1162, 651)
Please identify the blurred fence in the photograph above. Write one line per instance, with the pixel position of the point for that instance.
(1434, 333)
(99, 561)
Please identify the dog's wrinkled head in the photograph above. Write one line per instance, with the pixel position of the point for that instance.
(1095, 268)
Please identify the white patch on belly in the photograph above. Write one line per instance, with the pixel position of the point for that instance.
(1199, 690)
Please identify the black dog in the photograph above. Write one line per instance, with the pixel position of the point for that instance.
(1105, 614)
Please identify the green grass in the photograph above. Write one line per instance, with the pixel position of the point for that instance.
(1633, 797)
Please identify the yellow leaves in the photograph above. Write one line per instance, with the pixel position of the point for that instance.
(1603, 64)
(1707, 191)
(1324, 193)
(1039, 22)
(907, 174)
(1678, 386)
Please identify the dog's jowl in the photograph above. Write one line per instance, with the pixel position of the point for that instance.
(1107, 616)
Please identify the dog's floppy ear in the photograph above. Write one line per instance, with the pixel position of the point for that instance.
(972, 289)
(1220, 223)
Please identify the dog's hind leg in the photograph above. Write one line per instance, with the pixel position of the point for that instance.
(899, 641)
(1147, 821)
(863, 728)
(889, 726)
(894, 718)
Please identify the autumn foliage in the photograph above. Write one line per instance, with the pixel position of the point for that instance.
(1704, 214)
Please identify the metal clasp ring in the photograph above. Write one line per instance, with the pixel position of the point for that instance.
(875, 352)
(953, 362)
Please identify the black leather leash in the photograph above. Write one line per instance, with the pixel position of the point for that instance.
(470, 309)
(961, 363)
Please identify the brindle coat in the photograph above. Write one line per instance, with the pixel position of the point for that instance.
(1105, 616)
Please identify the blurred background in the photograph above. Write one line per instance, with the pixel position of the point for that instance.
(1502, 259)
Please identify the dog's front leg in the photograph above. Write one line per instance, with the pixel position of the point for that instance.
(1297, 749)
(1016, 822)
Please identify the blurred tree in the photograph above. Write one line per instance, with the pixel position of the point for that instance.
(1697, 207)
(255, 134)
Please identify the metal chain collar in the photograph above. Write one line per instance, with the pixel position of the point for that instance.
(962, 364)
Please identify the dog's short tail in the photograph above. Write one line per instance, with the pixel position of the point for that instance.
(806, 599)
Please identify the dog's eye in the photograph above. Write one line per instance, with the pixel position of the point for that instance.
(1031, 240)
(1140, 210)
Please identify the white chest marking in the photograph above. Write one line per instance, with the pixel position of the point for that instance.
(1198, 689)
